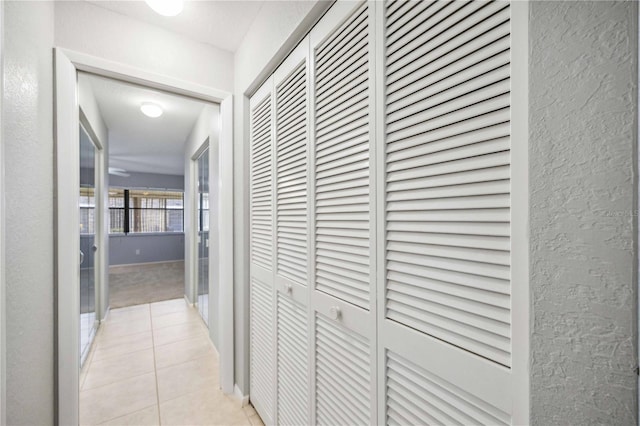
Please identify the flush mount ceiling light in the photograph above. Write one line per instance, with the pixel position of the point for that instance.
(166, 7)
(151, 110)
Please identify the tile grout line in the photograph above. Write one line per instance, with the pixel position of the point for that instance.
(95, 344)
(155, 368)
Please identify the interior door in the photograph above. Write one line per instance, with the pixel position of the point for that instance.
(291, 152)
(261, 300)
(88, 248)
(343, 300)
(445, 327)
(203, 235)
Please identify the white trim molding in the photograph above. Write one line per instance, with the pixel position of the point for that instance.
(520, 299)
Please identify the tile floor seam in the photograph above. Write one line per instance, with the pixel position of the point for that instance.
(125, 415)
(177, 341)
(155, 367)
(184, 362)
(207, 382)
(118, 381)
(199, 341)
(123, 355)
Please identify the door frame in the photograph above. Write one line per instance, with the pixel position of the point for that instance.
(194, 177)
(67, 63)
(100, 223)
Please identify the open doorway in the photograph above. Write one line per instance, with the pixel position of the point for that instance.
(146, 187)
(212, 125)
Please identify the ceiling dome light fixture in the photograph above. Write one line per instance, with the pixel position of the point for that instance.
(151, 110)
(166, 7)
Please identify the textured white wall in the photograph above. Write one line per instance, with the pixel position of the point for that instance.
(583, 111)
(275, 31)
(90, 29)
(28, 142)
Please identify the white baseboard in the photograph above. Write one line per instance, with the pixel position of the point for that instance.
(244, 399)
(106, 315)
(159, 262)
(186, 299)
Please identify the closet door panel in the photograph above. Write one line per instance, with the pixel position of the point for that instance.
(262, 293)
(263, 344)
(342, 178)
(292, 136)
(342, 272)
(343, 378)
(291, 186)
(444, 329)
(293, 361)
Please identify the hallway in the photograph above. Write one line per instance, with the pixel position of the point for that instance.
(154, 364)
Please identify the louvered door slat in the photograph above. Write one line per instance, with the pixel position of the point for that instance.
(261, 194)
(292, 363)
(262, 346)
(414, 394)
(342, 158)
(344, 396)
(448, 186)
(433, 46)
(291, 185)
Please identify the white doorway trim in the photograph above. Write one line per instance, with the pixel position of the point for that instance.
(67, 65)
(3, 416)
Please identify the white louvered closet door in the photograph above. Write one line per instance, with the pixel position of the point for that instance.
(445, 348)
(262, 313)
(342, 273)
(291, 94)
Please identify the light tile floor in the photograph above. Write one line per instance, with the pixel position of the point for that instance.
(154, 364)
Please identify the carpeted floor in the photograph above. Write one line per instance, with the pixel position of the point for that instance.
(145, 283)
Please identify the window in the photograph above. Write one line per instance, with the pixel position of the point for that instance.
(87, 204)
(141, 210)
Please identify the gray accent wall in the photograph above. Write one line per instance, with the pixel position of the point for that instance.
(152, 247)
(582, 153)
(144, 248)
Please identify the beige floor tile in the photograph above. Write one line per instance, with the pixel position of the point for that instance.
(189, 377)
(113, 369)
(175, 333)
(175, 318)
(106, 341)
(119, 329)
(209, 407)
(117, 399)
(249, 410)
(132, 343)
(129, 314)
(147, 417)
(255, 420)
(182, 351)
(169, 307)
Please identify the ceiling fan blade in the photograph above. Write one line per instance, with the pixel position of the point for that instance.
(118, 172)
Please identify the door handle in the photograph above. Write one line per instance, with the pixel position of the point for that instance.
(81, 257)
(94, 248)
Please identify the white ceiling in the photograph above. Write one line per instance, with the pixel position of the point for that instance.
(138, 143)
(220, 23)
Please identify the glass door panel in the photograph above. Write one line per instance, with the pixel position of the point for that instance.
(203, 235)
(87, 206)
